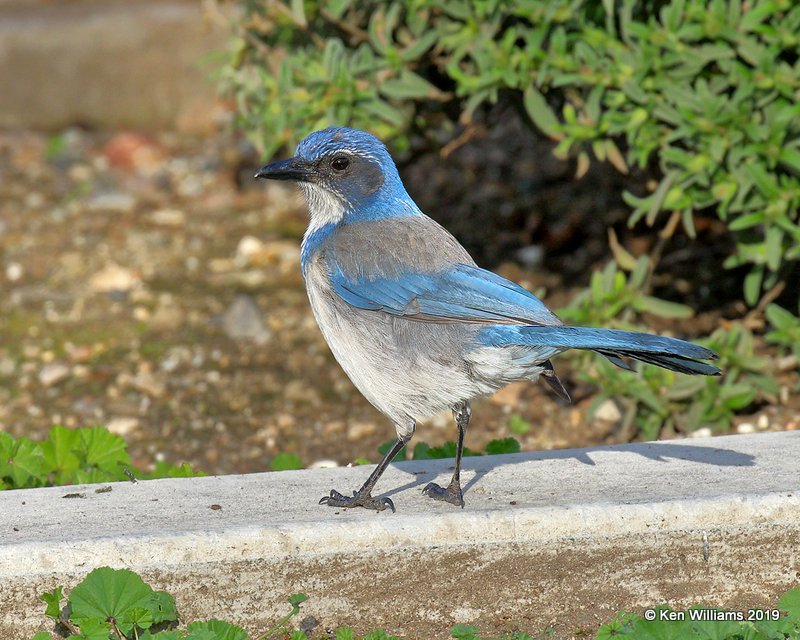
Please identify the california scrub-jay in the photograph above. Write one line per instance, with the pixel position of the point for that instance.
(413, 321)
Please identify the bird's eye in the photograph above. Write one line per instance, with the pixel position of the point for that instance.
(340, 163)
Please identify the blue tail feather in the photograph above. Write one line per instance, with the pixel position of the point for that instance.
(670, 353)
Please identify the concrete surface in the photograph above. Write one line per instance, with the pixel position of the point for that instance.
(559, 537)
(107, 63)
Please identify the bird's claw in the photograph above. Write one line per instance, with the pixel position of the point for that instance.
(336, 499)
(451, 494)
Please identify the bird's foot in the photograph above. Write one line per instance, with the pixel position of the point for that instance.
(451, 494)
(336, 499)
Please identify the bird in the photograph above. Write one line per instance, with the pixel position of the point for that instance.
(416, 324)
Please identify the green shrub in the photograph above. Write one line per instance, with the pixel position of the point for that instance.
(785, 329)
(705, 95)
(73, 456)
(656, 398)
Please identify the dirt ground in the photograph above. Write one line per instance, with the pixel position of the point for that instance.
(150, 285)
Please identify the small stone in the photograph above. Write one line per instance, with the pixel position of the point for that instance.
(114, 278)
(220, 265)
(243, 321)
(53, 373)
(122, 426)
(247, 248)
(7, 367)
(702, 432)
(212, 456)
(168, 315)
(80, 172)
(787, 363)
(531, 256)
(323, 464)
(14, 271)
(176, 357)
(34, 200)
(763, 422)
(360, 430)
(78, 353)
(147, 383)
(301, 392)
(608, 411)
(80, 372)
(285, 421)
(746, 427)
(335, 426)
(134, 151)
(168, 217)
(114, 202)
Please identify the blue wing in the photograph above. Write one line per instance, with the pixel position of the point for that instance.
(463, 293)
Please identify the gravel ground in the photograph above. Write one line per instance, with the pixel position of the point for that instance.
(151, 286)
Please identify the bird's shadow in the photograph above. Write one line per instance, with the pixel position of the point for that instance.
(656, 451)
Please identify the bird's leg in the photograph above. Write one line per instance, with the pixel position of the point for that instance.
(363, 497)
(452, 494)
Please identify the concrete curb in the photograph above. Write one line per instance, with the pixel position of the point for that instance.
(570, 536)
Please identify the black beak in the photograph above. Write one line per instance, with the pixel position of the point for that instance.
(285, 170)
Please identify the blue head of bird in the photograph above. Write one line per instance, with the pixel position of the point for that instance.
(346, 175)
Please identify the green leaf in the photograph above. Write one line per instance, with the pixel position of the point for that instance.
(790, 603)
(298, 13)
(345, 633)
(517, 425)
(465, 632)
(415, 50)
(746, 221)
(53, 601)
(95, 629)
(140, 617)
(162, 605)
(20, 460)
(737, 396)
(296, 599)
(764, 180)
(448, 450)
(59, 450)
(408, 86)
(385, 111)
(104, 449)
(286, 462)
(166, 470)
(42, 635)
(752, 285)
(171, 634)
(109, 593)
(660, 195)
(540, 113)
(621, 255)
(218, 630)
(422, 451)
(504, 445)
(774, 247)
(791, 158)
(781, 319)
(663, 308)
